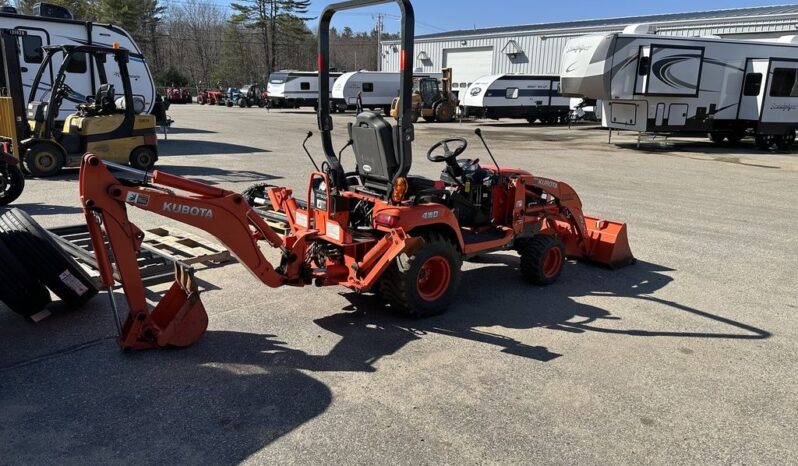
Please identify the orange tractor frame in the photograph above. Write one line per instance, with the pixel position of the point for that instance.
(375, 227)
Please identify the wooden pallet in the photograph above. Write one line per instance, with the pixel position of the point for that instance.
(185, 247)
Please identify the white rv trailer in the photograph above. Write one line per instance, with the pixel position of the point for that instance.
(294, 89)
(516, 96)
(376, 89)
(688, 85)
(82, 77)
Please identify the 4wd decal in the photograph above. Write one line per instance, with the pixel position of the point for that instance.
(430, 214)
(187, 210)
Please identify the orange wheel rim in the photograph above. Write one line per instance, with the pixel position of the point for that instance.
(552, 262)
(434, 278)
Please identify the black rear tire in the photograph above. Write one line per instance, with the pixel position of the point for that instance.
(34, 246)
(12, 183)
(19, 289)
(542, 259)
(763, 142)
(786, 141)
(411, 284)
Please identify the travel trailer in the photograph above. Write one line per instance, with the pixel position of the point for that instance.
(295, 89)
(688, 85)
(82, 76)
(516, 96)
(376, 89)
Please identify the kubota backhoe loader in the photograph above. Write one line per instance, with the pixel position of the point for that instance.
(374, 227)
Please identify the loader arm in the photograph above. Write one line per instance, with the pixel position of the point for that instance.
(179, 319)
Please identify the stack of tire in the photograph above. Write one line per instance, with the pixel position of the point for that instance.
(31, 261)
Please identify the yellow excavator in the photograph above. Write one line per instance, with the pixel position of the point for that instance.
(105, 124)
(433, 99)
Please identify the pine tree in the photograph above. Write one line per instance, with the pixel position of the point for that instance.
(272, 19)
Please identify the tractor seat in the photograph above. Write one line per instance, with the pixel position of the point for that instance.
(375, 154)
(103, 102)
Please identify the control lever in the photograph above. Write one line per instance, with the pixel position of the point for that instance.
(310, 135)
(478, 132)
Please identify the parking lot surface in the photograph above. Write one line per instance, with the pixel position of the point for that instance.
(688, 356)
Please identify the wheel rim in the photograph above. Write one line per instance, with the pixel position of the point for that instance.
(45, 161)
(552, 262)
(434, 278)
(143, 159)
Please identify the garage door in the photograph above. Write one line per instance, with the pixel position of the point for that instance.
(468, 64)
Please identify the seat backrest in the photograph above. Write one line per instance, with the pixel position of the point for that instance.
(372, 143)
(104, 100)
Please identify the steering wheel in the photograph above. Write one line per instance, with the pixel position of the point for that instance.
(448, 154)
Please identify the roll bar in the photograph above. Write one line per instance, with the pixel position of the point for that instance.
(403, 138)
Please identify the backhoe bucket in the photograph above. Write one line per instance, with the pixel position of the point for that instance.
(180, 315)
(607, 243)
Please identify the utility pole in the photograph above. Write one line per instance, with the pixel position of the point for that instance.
(380, 24)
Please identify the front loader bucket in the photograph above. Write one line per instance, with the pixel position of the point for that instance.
(180, 315)
(607, 243)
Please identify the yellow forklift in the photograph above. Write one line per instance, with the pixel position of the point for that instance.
(432, 99)
(104, 124)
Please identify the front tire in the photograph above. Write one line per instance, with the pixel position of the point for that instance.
(143, 158)
(542, 259)
(425, 283)
(44, 160)
(444, 112)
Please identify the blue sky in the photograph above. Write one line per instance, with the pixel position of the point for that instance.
(445, 15)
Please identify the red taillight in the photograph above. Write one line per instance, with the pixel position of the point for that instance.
(386, 220)
(402, 57)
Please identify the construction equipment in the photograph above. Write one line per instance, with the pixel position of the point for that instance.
(104, 125)
(210, 97)
(373, 228)
(432, 99)
(251, 94)
(177, 95)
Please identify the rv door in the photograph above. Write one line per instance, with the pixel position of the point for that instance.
(643, 69)
(753, 91)
(31, 56)
(780, 107)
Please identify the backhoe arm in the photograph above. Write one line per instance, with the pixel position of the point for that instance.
(179, 319)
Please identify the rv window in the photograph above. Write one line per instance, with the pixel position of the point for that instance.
(753, 83)
(368, 87)
(511, 93)
(463, 84)
(784, 83)
(644, 67)
(305, 86)
(32, 49)
(77, 64)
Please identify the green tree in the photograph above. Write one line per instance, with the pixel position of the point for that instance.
(272, 19)
(233, 66)
(170, 76)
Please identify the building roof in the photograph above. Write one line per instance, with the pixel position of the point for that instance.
(791, 9)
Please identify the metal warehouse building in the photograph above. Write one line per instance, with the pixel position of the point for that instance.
(536, 48)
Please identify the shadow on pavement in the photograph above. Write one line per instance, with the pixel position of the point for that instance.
(215, 403)
(175, 147)
(372, 331)
(211, 175)
(37, 208)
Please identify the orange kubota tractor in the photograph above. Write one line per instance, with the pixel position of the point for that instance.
(376, 227)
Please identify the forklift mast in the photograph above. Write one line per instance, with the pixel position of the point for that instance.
(11, 87)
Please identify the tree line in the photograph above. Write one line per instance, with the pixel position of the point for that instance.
(203, 44)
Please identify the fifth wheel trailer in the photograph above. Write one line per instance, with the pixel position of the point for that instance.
(688, 86)
(516, 96)
(81, 77)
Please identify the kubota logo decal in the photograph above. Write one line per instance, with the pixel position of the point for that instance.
(187, 210)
